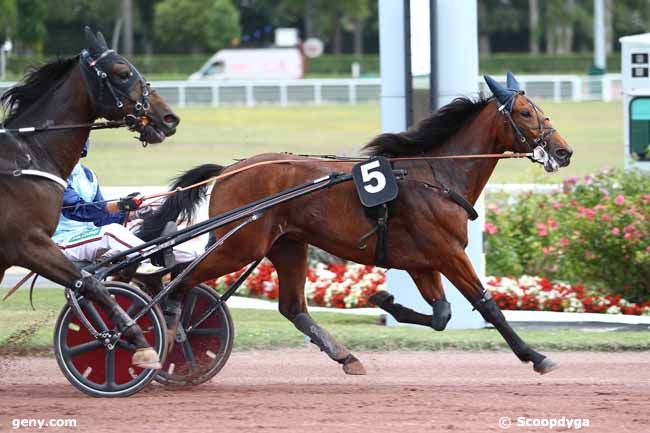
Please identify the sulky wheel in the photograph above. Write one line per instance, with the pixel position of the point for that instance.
(88, 363)
(201, 349)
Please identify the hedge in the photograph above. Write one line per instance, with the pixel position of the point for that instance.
(178, 66)
(525, 63)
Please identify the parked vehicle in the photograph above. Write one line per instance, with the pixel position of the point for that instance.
(252, 64)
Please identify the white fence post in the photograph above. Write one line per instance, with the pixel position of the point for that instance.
(352, 92)
(215, 96)
(283, 94)
(181, 96)
(576, 89)
(606, 88)
(250, 100)
(318, 97)
(557, 90)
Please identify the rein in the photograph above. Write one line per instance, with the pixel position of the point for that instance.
(334, 159)
(50, 127)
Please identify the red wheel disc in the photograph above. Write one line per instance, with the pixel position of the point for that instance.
(199, 354)
(89, 361)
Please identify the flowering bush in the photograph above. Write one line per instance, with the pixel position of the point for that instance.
(328, 285)
(596, 231)
(350, 285)
(535, 293)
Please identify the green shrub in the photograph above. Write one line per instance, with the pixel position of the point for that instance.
(526, 63)
(596, 232)
(180, 66)
(342, 64)
(167, 64)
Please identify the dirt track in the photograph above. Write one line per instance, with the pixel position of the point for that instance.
(301, 390)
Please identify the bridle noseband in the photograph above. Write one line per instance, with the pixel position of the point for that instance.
(97, 80)
(539, 145)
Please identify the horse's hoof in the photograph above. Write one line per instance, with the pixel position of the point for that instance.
(441, 314)
(381, 298)
(146, 358)
(353, 366)
(545, 366)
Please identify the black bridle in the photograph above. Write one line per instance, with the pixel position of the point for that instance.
(539, 145)
(545, 131)
(99, 84)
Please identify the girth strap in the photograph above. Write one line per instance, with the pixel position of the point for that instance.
(378, 214)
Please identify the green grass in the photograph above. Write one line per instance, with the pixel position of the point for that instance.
(259, 329)
(218, 135)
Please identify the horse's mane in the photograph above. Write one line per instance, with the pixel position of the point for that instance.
(430, 132)
(37, 82)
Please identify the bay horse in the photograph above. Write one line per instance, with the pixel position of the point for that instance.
(62, 99)
(427, 232)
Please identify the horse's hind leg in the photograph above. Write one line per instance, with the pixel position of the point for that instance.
(429, 284)
(460, 272)
(45, 258)
(290, 260)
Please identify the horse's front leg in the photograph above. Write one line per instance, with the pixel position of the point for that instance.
(42, 256)
(429, 284)
(458, 269)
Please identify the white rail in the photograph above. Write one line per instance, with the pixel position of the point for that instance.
(362, 90)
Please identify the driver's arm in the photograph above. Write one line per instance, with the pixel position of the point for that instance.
(97, 212)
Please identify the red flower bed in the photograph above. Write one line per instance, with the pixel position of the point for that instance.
(350, 286)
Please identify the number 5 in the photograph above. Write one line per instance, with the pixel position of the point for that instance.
(369, 176)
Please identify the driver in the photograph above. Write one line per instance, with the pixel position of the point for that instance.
(90, 228)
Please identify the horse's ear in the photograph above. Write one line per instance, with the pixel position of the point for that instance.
(511, 82)
(503, 95)
(91, 40)
(101, 40)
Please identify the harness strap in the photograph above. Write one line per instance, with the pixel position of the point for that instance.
(382, 228)
(379, 215)
(455, 197)
(39, 173)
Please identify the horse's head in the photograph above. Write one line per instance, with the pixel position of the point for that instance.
(527, 129)
(118, 91)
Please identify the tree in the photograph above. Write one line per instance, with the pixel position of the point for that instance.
(497, 16)
(199, 25)
(533, 22)
(7, 19)
(340, 15)
(127, 19)
(31, 23)
(146, 9)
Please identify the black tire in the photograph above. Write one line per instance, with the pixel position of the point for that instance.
(209, 345)
(87, 368)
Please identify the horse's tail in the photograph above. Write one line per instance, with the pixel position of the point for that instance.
(180, 206)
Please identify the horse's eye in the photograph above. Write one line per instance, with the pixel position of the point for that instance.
(124, 75)
(525, 113)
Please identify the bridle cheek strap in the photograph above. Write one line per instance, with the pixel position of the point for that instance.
(93, 73)
(539, 144)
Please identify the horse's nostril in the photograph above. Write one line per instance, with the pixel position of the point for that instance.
(171, 120)
(563, 153)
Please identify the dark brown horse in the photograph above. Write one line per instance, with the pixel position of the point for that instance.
(76, 90)
(427, 232)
